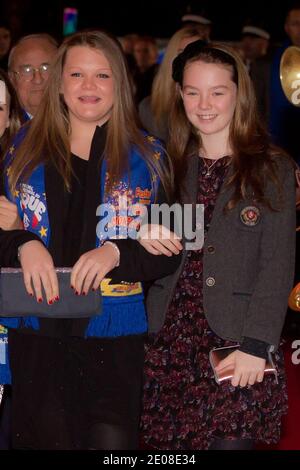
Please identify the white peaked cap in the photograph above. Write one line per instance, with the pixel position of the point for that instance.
(262, 33)
(196, 18)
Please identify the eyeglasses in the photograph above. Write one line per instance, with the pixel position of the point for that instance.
(27, 72)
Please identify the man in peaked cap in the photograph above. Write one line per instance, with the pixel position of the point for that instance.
(191, 19)
(254, 43)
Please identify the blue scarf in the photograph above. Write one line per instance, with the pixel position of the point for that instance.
(123, 304)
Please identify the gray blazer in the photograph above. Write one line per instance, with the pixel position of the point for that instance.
(248, 270)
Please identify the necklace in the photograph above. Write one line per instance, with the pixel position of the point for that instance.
(208, 167)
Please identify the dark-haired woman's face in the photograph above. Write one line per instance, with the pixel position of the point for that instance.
(209, 97)
(87, 85)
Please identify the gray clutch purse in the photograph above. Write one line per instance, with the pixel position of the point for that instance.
(15, 301)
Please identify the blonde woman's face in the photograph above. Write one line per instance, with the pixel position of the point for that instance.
(87, 85)
(4, 108)
(209, 97)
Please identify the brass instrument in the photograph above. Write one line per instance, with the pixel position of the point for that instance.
(290, 74)
(290, 82)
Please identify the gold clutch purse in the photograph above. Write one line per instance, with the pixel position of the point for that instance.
(218, 354)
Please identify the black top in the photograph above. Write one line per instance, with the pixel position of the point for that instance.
(73, 222)
(72, 234)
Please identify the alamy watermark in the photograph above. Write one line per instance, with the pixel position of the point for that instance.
(296, 354)
(126, 220)
(3, 346)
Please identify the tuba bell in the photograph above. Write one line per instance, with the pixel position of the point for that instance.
(290, 82)
(290, 74)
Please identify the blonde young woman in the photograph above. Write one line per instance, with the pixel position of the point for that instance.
(233, 291)
(77, 383)
(154, 110)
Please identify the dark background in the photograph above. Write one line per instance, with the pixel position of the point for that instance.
(159, 18)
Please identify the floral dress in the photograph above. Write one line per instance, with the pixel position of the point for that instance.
(184, 408)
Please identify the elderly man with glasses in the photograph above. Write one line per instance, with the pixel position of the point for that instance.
(29, 66)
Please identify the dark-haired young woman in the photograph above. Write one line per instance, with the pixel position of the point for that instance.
(232, 291)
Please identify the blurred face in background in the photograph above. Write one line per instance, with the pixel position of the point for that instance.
(205, 33)
(5, 40)
(127, 42)
(253, 47)
(292, 26)
(30, 69)
(145, 53)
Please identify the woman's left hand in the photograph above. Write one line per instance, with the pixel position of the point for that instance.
(248, 369)
(92, 267)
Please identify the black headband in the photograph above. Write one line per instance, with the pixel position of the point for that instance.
(193, 50)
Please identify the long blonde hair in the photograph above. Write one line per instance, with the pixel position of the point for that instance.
(47, 139)
(163, 87)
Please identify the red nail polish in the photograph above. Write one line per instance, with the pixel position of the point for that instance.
(40, 300)
(76, 293)
(72, 287)
(50, 302)
(83, 293)
(57, 298)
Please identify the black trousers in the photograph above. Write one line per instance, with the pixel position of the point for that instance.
(75, 393)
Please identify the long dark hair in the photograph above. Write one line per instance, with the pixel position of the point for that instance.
(253, 156)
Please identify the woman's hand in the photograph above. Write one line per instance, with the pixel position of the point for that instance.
(92, 267)
(9, 216)
(38, 271)
(159, 240)
(248, 369)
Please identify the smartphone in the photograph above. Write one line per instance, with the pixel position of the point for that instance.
(70, 19)
(218, 354)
